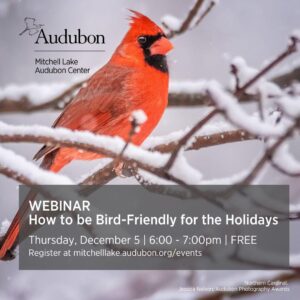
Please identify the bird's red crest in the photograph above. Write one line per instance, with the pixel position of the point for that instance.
(142, 24)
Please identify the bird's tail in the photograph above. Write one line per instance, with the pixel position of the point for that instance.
(11, 239)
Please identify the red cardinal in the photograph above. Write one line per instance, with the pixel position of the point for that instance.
(136, 77)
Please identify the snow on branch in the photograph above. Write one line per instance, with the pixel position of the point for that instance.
(290, 106)
(290, 49)
(37, 93)
(270, 154)
(176, 26)
(211, 135)
(15, 98)
(106, 145)
(17, 167)
(186, 138)
(35, 97)
(218, 133)
(285, 162)
(242, 73)
(234, 112)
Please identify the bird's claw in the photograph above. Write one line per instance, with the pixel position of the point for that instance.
(119, 169)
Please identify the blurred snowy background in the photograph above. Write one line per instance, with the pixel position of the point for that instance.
(256, 30)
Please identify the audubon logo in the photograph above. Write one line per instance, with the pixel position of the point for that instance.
(31, 27)
(66, 37)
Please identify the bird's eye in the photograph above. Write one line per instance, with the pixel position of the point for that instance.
(142, 39)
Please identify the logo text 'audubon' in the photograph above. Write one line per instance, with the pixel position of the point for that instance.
(67, 38)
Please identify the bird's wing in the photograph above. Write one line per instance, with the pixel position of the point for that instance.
(98, 106)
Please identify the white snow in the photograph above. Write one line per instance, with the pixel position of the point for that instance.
(171, 22)
(154, 141)
(188, 86)
(245, 73)
(17, 163)
(36, 93)
(283, 158)
(110, 145)
(107, 143)
(268, 89)
(208, 129)
(4, 227)
(229, 180)
(139, 116)
(238, 116)
(183, 170)
(291, 106)
(39, 93)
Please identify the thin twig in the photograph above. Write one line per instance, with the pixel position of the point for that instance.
(292, 48)
(267, 155)
(187, 21)
(183, 141)
(209, 140)
(118, 164)
(234, 71)
(205, 13)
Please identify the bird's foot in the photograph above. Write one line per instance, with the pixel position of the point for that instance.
(118, 168)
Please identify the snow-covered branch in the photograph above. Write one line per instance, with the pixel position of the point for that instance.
(208, 140)
(105, 145)
(211, 135)
(17, 167)
(38, 97)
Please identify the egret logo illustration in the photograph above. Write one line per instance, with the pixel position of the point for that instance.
(32, 28)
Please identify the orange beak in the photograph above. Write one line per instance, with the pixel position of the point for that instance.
(161, 46)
